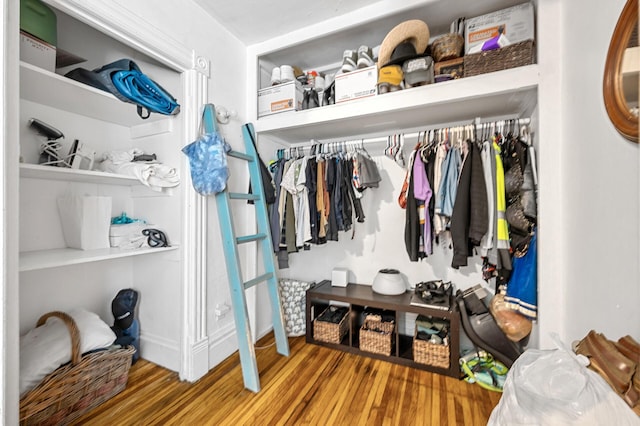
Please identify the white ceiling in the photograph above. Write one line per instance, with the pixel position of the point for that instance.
(254, 21)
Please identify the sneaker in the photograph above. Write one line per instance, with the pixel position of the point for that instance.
(275, 76)
(349, 60)
(286, 73)
(390, 79)
(314, 102)
(365, 57)
(418, 71)
(328, 95)
(310, 99)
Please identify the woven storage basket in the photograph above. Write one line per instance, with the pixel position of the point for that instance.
(448, 46)
(514, 55)
(425, 352)
(76, 387)
(329, 332)
(376, 335)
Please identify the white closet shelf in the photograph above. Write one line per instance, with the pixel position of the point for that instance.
(57, 91)
(72, 175)
(42, 259)
(510, 92)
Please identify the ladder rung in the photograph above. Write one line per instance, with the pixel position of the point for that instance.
(257, 280)
(240, 155)
(249, 238)
(243, 196)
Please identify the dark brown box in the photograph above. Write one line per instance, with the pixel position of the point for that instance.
(453, 67)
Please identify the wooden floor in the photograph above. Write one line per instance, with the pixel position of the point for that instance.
(313, 386)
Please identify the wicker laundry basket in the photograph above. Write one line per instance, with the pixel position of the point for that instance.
(78, 386)
(294, 303)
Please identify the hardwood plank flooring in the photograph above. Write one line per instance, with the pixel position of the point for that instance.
(313, 386)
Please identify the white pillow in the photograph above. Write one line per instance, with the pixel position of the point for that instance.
(47, 347)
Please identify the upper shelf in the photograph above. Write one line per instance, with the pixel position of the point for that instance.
(316, 46)
(511, 92)
(86, 176)
(54, 90)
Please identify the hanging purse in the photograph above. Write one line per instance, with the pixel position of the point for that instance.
(208, 157)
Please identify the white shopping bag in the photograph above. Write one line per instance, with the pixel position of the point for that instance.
(85, 221)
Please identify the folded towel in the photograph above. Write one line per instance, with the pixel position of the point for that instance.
(154, 175)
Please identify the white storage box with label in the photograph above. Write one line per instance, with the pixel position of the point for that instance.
(85, 221)
(516, 23)
(37, 52)
(283, 97)
(359, 83)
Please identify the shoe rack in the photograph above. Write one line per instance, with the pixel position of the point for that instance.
(358, 298)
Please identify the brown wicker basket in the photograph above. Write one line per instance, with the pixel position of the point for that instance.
(514, 55)
(376, 335)
(425, 352)
(76, 387)
(329, 332)
(448, 46)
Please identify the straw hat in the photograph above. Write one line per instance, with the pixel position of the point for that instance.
(414, 31)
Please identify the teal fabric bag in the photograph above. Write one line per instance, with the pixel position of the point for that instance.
(125, 80)
(208, 158)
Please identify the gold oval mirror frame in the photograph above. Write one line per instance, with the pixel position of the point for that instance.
(624, 120)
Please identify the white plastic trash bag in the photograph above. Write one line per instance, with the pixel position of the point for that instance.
(554, 387)
(85, 221)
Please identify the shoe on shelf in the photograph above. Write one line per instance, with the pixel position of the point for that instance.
(286, 73)
(275, 76)
(365, 57)
(314, 102)
(390, 79)
(329, 95)
(310, 99)
(349, 60)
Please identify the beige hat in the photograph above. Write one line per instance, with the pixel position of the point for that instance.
(413, 31)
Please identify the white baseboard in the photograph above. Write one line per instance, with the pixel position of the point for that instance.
(160, 351)
(219, 346)
(222, 345)
(198, 366)
(264, 332)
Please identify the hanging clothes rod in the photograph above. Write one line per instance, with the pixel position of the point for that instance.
(413, 134)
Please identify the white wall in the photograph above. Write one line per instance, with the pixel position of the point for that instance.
(600, 186)
(192, 27)
(379, 242)
(9, 311)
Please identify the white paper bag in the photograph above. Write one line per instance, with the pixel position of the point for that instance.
(85, 221)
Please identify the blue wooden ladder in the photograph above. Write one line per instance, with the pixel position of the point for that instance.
(265, 250)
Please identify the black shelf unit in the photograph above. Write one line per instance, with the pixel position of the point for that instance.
(358, 297)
